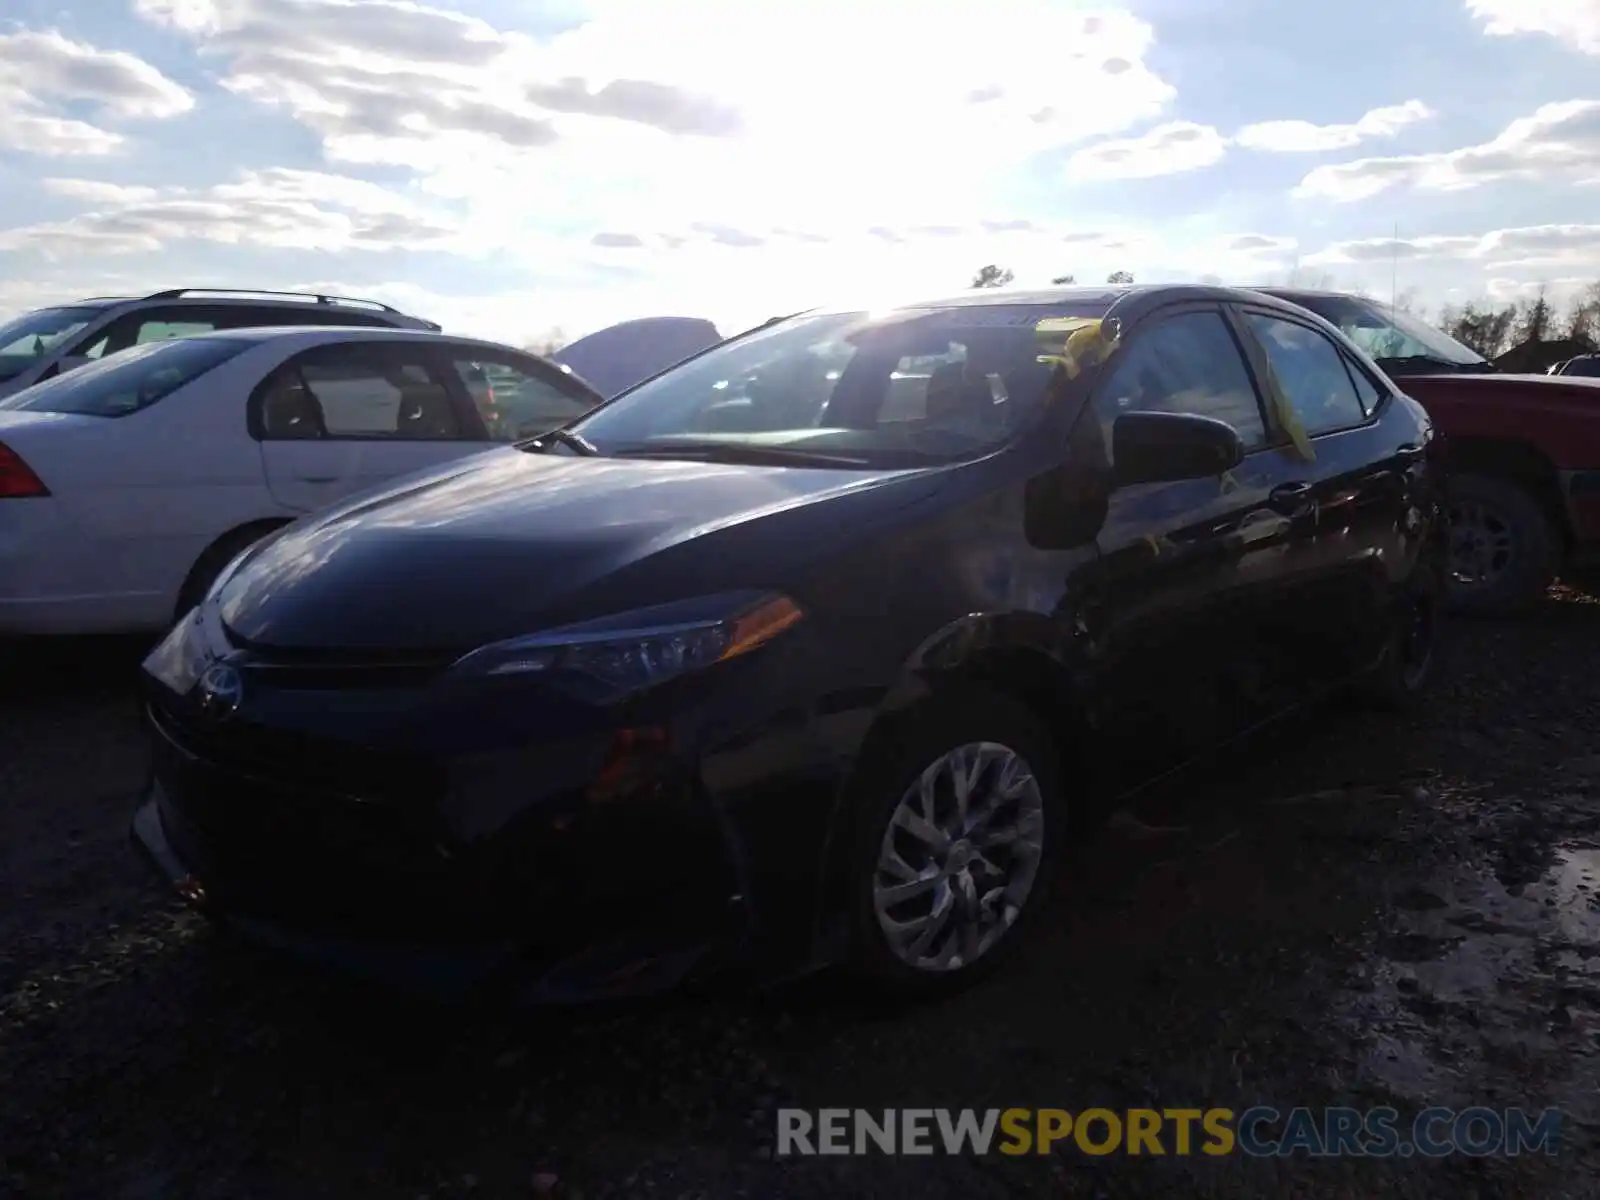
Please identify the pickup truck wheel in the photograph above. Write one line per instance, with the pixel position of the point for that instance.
(1503, 549)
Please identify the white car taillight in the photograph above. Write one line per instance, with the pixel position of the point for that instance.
(17, 479)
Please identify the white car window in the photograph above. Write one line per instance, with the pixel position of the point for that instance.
(361, 391)
(128, 382)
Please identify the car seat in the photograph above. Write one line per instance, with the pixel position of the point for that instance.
(425, 412)
(955, 395)
(291, 412)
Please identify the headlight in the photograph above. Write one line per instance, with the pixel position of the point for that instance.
(635, 650)
(181, 657)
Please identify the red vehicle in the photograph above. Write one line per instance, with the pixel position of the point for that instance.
(1523, 453)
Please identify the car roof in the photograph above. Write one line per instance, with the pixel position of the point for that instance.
(1274, 290)
(311, 334)
(1129, 300)
(385, 315)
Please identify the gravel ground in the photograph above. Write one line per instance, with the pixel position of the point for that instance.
(1358, 910)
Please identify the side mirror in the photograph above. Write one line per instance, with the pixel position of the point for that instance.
(1158, 447)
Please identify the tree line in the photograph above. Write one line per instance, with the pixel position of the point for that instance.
(993, 276)
(1494, 329)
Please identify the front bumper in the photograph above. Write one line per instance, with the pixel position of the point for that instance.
(1581, 492)
(513, 834)
(628, 965)
(557, 904)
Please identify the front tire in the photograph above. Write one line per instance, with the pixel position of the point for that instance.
(956, 843)
(1504, 549)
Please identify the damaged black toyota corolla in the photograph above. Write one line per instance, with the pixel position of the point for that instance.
(804, 651)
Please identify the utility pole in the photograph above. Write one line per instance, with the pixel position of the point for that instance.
(1394, 272)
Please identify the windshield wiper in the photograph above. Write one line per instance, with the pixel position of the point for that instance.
(743, 453)
(1401, 363)
(561, 437)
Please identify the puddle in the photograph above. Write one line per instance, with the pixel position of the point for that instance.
(1483, 992)
(1576, 892)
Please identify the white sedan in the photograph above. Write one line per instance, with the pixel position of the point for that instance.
(128, 484)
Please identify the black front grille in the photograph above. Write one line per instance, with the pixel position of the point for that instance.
(298, 762)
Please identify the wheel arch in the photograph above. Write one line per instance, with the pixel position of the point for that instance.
(1516, 461)
(224, 547)
(1018, 654)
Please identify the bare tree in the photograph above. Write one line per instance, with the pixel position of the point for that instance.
(1120, 278)
(1300, 277)
(1583, 318)
(1533, 320)
(992, 276)
(1064, 280)
(1486, 330)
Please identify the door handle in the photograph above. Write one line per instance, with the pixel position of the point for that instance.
(317, 478)
(1289, 497)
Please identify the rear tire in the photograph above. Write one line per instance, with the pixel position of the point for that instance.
(1401, 680)
(209, 565)
(1504, 549)
(943, 891)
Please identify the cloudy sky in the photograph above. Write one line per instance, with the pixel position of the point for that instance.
(505, 166)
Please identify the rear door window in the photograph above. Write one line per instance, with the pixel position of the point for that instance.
(1312, 373)
(157, 323)
(360, 390)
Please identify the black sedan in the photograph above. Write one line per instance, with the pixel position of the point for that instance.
(812, 649)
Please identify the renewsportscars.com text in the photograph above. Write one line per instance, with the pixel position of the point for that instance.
(1259, 1132)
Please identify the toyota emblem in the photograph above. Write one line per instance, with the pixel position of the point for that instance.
(219, 691)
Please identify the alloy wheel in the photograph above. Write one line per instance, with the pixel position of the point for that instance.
(960, 857)
(1482, 544)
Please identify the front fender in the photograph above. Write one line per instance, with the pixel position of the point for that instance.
(1027, 654)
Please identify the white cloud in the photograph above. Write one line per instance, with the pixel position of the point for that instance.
(56, 137)
(1165, 150)
(1180, 146)
(808, 114)
(1573, 21)
(1558, 142)
(1526, 246)
(40, 70)
(1262, 244)
(280, 207)
(1555, 291)
(46, 65)
(1303, 137)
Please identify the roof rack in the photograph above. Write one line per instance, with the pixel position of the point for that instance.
(181, 293)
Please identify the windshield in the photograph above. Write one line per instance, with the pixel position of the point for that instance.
(1588, 366)
(846, 389)
(33, 335)
(1383, 333)
(127, 382)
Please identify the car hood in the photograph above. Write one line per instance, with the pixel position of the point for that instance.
(1577, 387)
(503, 543)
